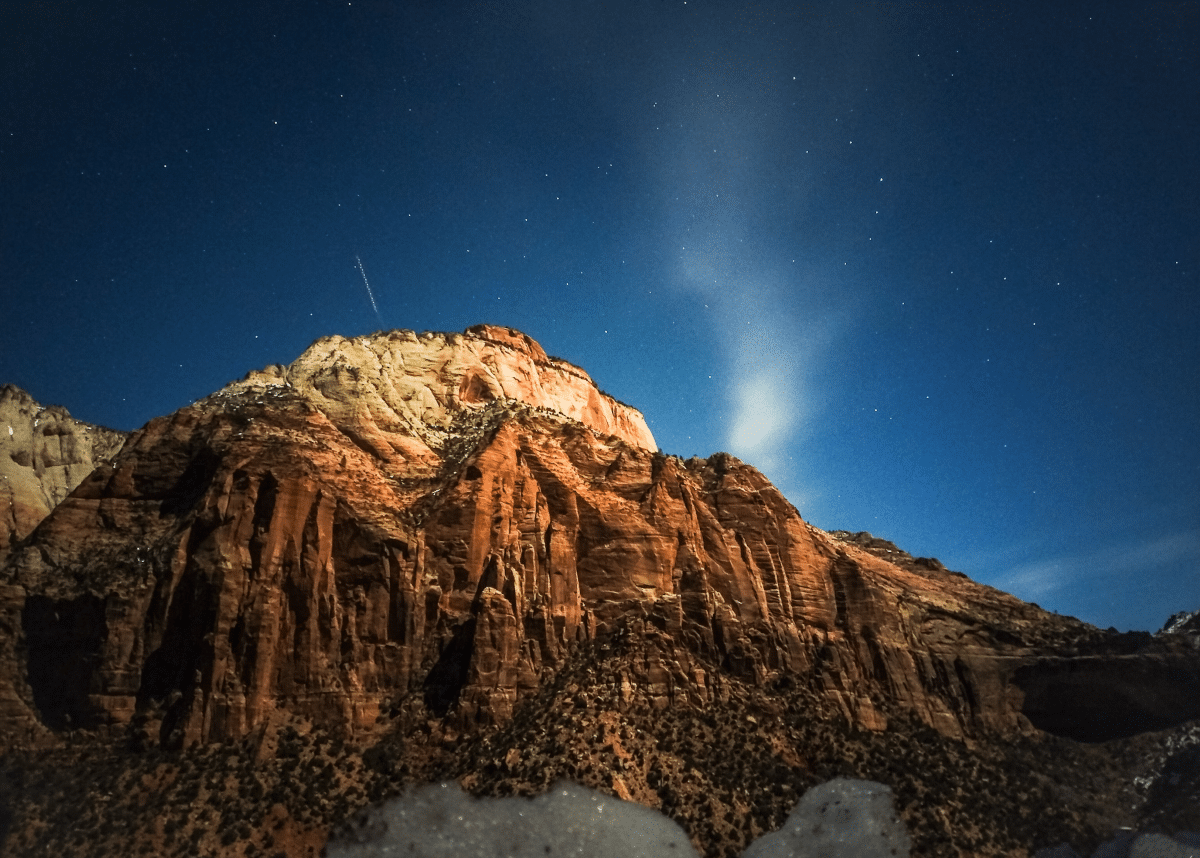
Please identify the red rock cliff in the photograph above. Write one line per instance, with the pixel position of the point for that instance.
(443, 517)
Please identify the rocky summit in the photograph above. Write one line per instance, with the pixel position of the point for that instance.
(44, 454)
(410, 557)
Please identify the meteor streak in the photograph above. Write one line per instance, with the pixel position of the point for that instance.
(370, 294)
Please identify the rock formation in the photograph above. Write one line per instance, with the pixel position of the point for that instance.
(434, 532)
(399, 393)
(44, 454)
(1184, 622)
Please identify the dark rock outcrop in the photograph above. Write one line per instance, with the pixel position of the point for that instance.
(1103, 697)
(1184, 622)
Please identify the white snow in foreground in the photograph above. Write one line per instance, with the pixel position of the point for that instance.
(840, 819)
(442, 821)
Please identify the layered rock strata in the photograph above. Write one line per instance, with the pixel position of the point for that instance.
(456, 553)
(397, 394)
(44, 454)
(447, 515)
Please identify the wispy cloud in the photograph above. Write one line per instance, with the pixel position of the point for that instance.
(1040, 579)
(770, 356)
(1080, 578)
(765, 348)
(722, 99)
(748, 285)
(1162, 550)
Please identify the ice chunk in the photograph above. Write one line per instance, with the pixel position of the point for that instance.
(1161, 846)
(442, 821)
(839, 819)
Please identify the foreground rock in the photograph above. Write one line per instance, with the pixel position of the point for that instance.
(441, 821)
(840, 819)
(406, 557)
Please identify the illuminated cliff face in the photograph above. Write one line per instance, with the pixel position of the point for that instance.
(453, 514)
(400, 389)
(44, 454)
(426, 544)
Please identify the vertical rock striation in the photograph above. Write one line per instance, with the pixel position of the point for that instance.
(408, 557)
(442, 518)
(44, 454)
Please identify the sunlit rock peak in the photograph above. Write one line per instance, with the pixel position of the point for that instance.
(402, 390)
(44, 454)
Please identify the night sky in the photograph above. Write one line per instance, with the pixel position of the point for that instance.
(933, 270)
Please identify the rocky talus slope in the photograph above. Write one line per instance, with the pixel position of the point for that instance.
(407, 557)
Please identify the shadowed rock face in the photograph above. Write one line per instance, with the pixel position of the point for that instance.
(441, 524)
(1095, 699)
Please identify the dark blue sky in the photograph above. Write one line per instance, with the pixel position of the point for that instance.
(933, 270)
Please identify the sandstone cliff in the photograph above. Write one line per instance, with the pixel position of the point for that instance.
(429, 532)
(398, 393)
(44, 454)
(450, 514)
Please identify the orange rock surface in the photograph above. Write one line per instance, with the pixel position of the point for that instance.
(445, 516)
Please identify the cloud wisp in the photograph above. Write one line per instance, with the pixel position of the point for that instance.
(1086, 578)
(745, 281)
(768, 403)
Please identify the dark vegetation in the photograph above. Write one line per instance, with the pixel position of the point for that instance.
(727, 771)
